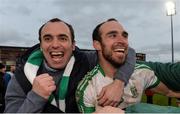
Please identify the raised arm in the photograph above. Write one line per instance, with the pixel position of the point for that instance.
(163, 89)
(126, 70)
(168, 73)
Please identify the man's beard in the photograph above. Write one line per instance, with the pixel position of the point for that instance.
(109, 57)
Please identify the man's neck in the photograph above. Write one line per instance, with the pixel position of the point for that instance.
(47, 67)
(108, 68)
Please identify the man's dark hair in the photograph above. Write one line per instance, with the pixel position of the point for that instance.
(96, 35)
(2, 66)
(58, 20)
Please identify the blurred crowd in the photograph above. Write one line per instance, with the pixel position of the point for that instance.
(6, 72)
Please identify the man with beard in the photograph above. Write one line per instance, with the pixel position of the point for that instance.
(111, 42)
(47, 76)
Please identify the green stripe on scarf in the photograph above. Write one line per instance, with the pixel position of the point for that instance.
(63, 87)
(36, 58)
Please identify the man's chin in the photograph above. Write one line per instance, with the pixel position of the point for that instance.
(119, 62)
(58, 66)
(121, 59)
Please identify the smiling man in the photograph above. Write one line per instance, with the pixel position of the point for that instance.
(56, 44)
(110, 40)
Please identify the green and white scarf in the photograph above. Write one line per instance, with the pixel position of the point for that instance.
(31, 67)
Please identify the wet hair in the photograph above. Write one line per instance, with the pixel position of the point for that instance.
(58, 20)
(96, 35)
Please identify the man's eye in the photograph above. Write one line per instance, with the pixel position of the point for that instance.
(63, 38)
(47, 39)
(112, 35)
(125, 34)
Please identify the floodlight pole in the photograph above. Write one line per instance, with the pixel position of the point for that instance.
(172, 39)
(171, 10)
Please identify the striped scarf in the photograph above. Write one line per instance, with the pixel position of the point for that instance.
(31, 67)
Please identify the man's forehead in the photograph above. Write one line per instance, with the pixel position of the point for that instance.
(110, 25)
(55, 25)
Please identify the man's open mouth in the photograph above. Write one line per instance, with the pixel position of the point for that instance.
(57, 56)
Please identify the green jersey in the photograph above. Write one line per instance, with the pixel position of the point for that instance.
(168, 73)
(91, 85)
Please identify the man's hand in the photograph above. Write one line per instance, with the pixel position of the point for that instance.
(109, 109)
(44, 85)
(111, 94)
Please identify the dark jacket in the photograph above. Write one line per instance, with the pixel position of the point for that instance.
(81, 67)
(2, 92)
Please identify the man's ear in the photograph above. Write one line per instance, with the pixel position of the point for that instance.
(40, 47)
(97, 45)
(73, 45)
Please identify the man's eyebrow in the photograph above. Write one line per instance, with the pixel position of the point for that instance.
(47, 35)
(112, 32)
(63, 35)
(60, 35)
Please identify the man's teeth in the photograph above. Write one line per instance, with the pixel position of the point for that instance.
(57, 54)
(119, 50)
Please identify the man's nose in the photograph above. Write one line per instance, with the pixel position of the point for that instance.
(121, 38)
(56, 43)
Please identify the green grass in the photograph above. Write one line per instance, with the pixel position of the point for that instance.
(160, 100)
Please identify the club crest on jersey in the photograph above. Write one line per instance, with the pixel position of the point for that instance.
(134, 91)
